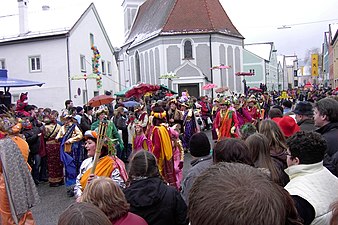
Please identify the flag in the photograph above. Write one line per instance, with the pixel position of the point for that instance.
(314, 65)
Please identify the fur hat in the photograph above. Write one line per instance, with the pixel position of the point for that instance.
(288, 126)
(102, 109)
(304, 108)
(199, 145)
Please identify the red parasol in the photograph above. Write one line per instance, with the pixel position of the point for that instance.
(308, 85)
(209, 86)
(244, 74)
(100, 100)
(256, 89)
(220, 67)
(221, 89)
(141, 89)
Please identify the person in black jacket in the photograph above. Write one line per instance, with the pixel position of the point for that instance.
(304, 116)
(86, 119)
(150, 197)
(32, 135)
(326, 118)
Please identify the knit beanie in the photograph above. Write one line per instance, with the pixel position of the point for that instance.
(199, 145)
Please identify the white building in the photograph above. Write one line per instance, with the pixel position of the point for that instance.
(182, 37)
(55, 53)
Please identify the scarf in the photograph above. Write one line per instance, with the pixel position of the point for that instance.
(21, 190)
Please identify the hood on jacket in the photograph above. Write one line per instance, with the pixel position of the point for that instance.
(145, 192)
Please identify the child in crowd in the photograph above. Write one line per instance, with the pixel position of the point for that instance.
(140, 139)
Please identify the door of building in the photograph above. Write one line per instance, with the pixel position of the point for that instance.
(193, 89)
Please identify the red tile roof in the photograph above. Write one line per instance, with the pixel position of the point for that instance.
(170, 17)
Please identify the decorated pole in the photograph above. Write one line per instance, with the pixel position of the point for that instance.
(102, 130)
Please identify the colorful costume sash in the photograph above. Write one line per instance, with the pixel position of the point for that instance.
(104, 168)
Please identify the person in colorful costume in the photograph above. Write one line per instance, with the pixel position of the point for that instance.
(142, 117)
(140, 141)
(189, 124)
(21, 104)
(226, 121)
(162, 147)
(18, 192)
(112, 132)
(253, 110)
(174, 115)
(55, 167)
(70, 137)
(178, 154)
(107, 166)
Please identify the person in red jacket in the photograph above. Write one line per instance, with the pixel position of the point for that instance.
(206, 111)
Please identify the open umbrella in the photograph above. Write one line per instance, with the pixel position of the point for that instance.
(220, 67)
(100, 100)
(255, 89)
(209, 86)
(130, 103)
(244, 74)
(221, 89)
(141, 89)
(308, 85)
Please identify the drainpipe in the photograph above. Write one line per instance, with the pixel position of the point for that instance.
(68, 69)
(211, 72)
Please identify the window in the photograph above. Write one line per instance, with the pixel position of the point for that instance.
(34, 64)
(187, 50)
(83, 63)
(109, 68)
(2, 64)
(91, 36)
(103, 63)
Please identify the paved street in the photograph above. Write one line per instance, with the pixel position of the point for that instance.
(54, 199)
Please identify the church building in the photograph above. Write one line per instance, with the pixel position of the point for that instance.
(177, 43)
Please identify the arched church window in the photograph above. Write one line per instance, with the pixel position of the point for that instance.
(137, 67)
(187, 50)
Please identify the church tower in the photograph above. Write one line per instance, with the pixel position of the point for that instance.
(130, 8)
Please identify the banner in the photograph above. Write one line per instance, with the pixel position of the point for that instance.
(314, 67)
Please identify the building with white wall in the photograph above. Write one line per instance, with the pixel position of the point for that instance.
(58, 55)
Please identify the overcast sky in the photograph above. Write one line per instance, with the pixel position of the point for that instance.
(256, 20)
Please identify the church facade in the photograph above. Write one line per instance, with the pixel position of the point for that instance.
(177, 43)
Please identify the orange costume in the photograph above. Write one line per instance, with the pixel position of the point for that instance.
(6, 217)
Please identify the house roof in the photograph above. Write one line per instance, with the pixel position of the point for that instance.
(171, 17)
(333, 31)
(57, 23)
(262, 50)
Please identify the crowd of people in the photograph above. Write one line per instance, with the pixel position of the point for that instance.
(270, 159)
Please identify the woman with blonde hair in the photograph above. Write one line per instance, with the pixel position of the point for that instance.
(107, 195)
(277, 147)
(259, 150)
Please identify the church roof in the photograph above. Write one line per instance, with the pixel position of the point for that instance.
(171, 17)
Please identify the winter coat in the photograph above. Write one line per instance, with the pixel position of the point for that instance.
(198, 166)
(330, 134)
(156, 202)
(279, 161)
(307, 125)
(32, 139)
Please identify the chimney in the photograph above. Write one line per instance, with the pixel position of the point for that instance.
(23, 16)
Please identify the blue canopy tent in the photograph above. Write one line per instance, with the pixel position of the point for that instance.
(11, 82)
(7, 83)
